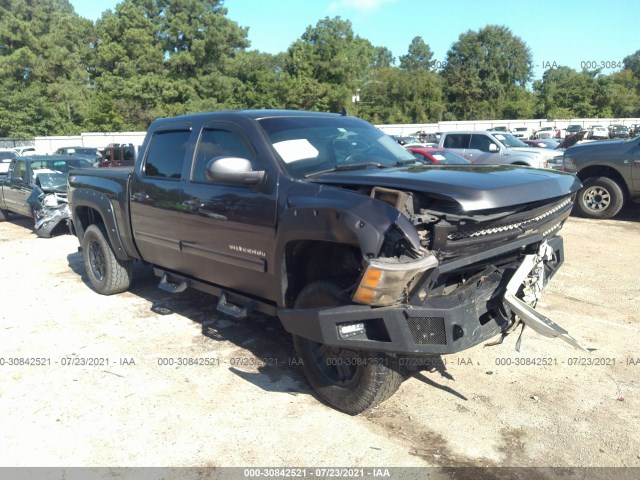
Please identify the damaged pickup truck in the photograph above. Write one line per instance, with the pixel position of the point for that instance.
(36, 187)
(367, 256)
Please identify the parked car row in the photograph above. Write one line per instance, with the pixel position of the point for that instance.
(608, 170)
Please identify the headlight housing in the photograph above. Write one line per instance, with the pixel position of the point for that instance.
(383, 282)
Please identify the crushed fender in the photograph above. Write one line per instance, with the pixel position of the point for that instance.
(50, 210)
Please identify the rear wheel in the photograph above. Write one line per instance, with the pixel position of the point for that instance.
(4, 214)
(107, 273)
(601, 197)
(350, 380)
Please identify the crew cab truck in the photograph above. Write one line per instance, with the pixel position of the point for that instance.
(496, 148)
(610, 173)
(366, 255)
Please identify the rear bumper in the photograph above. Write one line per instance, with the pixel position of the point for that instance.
(442, 324)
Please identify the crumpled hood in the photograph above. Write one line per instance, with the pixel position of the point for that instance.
(476, 187)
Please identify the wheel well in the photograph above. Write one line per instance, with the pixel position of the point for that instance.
(87, 216)
(524, 164)
(309, 261)
(603, 171)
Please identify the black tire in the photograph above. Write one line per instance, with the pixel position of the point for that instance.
(107, 273)
(4, 215)
(600, 197)
(349, 380)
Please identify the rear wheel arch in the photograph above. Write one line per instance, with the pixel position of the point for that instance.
(86, 216)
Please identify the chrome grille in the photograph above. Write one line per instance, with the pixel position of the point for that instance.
(512, 226)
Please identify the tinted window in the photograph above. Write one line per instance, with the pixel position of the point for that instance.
(457, 140)
(216, 143)
(20, 170)
(166, 154)
(480, 142)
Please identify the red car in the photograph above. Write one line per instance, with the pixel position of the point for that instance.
(437, 156)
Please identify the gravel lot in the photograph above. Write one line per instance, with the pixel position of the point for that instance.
(110, 390)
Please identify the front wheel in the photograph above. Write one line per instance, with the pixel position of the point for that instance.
(4, 214)
(107, 273)
(601, 197)
(350, 380)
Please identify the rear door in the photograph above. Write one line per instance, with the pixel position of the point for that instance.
(228, 230)
(156, 196)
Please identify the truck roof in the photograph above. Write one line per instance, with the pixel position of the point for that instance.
(252, 114)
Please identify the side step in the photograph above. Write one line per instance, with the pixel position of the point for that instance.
(234, 310)
(171, 287)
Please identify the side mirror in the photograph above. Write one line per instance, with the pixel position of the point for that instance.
(233, 170)
(493, 148)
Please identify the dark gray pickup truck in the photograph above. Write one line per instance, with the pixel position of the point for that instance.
(610, 172)
(369, 258)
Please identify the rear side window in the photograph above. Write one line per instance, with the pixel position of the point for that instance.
(457, 140)
(166, 154)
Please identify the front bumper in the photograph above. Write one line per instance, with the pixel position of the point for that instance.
(469, 315)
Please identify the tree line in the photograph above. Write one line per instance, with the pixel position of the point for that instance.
(61, 74)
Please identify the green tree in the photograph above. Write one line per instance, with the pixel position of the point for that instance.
(419, 57)
(166, 57)
(565, 93)
(481, 70)
(331, 54)
(44, 47)
(632, 62)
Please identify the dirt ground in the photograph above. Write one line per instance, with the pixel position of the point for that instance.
(105, 387)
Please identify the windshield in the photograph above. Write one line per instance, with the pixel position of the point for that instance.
(509, 140)
(309, 145)
(51, 180)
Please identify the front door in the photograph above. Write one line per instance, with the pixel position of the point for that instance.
(18, 189)
(228, 230)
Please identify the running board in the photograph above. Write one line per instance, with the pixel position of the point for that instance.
(232, 310)
(172, 287)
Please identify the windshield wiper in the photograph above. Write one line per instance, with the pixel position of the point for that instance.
(400, 163)
(351, 166)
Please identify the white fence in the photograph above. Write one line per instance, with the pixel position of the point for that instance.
(533, 124)
(48, 145)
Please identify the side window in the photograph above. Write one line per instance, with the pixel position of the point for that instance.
(216, 142)
(457, 140)
(166, 154)
(20, 170)
(480, 142)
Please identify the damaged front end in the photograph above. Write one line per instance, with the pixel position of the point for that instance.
(51, 212)
(446, 280)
